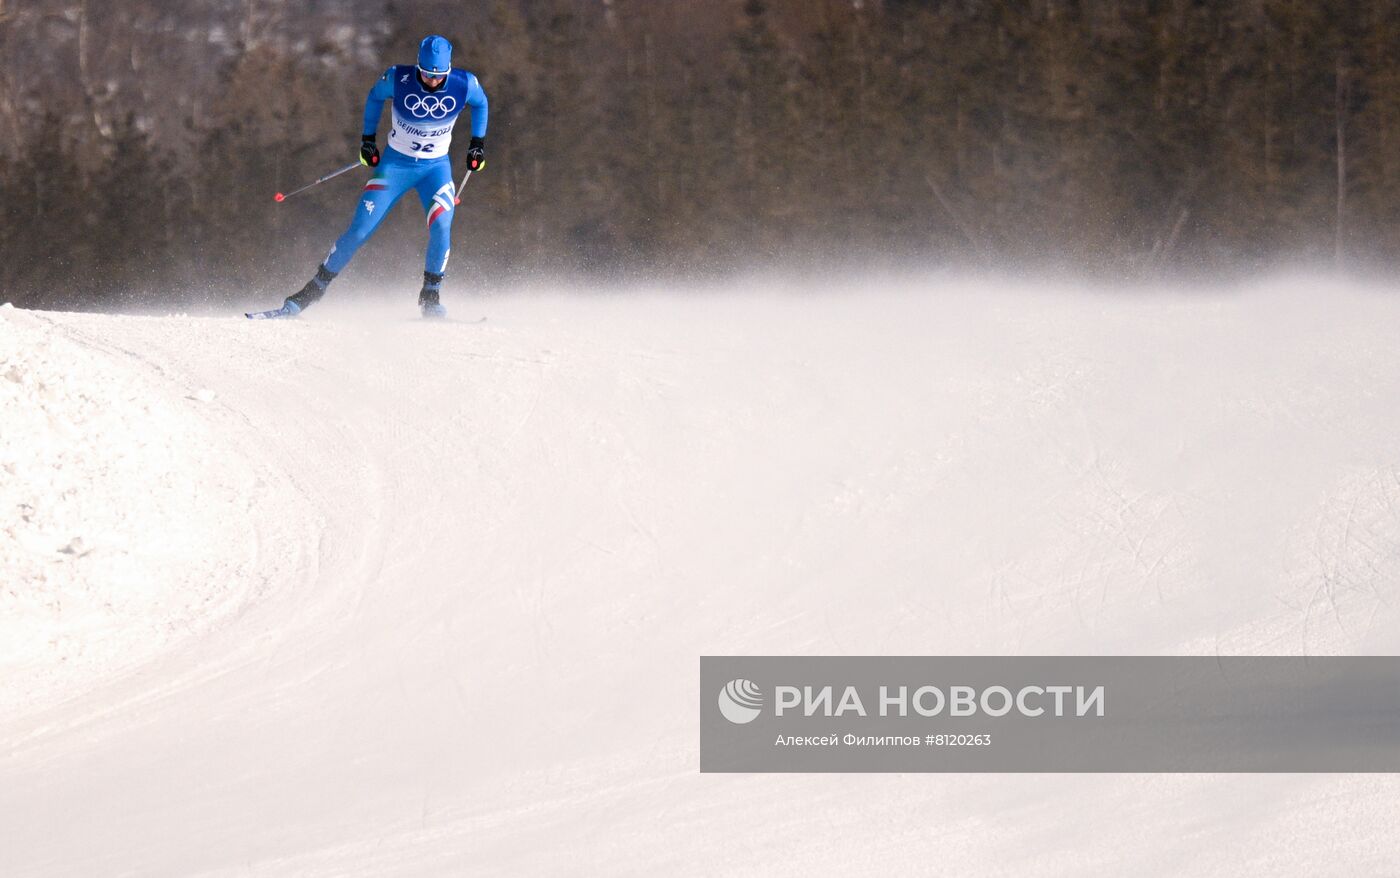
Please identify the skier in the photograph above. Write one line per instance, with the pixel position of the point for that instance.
(427, 98)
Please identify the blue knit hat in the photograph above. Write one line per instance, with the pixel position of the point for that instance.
(435, 56)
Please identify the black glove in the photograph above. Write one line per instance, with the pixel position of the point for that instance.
(476, 155)
(369, 153)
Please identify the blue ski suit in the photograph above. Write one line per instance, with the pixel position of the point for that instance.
(420, 133)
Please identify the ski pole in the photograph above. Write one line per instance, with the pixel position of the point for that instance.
(458, 198)
(350, 167)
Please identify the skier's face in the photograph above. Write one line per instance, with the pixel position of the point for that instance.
(431, 81)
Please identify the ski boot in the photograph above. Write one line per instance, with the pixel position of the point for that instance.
(300, 300)
(428, 302)
(311, 293)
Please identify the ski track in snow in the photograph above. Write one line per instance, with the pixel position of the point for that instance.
(127, 523)
(357, 594)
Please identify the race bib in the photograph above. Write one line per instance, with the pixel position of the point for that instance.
(422, 120)
(412, 138)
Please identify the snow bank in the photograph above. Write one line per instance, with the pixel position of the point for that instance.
(121, 531)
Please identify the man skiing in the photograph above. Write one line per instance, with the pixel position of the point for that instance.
(427, 98)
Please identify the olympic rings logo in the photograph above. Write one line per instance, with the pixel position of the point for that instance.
(432, 105)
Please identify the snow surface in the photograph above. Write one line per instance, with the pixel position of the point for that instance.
(360, 594)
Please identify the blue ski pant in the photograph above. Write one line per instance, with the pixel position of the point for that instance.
(396, 174)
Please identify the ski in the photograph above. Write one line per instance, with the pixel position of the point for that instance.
(288, 309)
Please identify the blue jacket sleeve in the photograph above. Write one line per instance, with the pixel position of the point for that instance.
(382, 91)
(476, 99)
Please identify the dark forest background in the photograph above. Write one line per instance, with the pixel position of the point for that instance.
(142, 141)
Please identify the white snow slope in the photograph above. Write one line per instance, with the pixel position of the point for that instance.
(364, 595)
